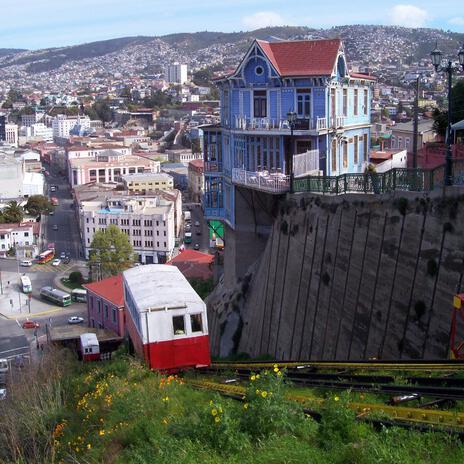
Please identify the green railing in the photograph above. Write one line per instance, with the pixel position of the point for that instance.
(397, 179)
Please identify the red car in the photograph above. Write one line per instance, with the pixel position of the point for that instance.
(30, 324)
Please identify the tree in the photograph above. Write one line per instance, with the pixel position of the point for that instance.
(103, 111)
(38, 204)
(12, 213)
(111, 251)
(440, 118)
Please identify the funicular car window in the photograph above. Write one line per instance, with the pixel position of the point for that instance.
(178, 324)
(195, 321)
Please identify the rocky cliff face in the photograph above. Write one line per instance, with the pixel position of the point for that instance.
(348, 278)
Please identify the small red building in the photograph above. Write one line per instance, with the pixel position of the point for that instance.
(194, 264)
(105, 304)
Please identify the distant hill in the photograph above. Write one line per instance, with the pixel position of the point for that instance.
(142, 54)
(10, 51)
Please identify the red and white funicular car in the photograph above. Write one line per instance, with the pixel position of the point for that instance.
(165, 318)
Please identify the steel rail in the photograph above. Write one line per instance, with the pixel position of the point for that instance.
(452, 421)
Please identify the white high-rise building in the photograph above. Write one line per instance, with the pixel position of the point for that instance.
(63, 125)
(176, 73)
(11, 134)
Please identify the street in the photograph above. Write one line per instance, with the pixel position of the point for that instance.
(202, 238)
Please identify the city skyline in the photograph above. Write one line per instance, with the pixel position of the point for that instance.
(55, 23)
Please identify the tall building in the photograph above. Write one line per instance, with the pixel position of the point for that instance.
(63, 125)
(148, 221)
(11, 134)
(176, 73)
(279, 86)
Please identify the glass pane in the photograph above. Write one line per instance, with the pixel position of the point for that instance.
(195, 321)
(178, 324)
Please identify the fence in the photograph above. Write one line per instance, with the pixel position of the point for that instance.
(397, 179)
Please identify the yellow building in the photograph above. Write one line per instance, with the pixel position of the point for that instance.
(148, 182)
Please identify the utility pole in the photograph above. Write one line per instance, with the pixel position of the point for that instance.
(416, 125)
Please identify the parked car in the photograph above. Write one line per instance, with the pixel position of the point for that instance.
(56, 262)
(2, 394)
(55, 227)
(75, 320)
(67, 260)
(26, 263)
(197, 224)
(46, 173)
(28, 324)
(198, 232)
(52, 188)
(51, 213)
(196, 246)
(187, 228)
(63, 255)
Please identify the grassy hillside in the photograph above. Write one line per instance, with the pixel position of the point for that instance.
(119, 412)
(10, 51)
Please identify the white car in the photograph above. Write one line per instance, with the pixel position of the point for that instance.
(2, 393)
(56, 262)
(26, 263)
(197, 224)
(52, 188)
(75, 320)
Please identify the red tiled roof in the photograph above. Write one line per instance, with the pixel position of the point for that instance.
(362, 76)
(194, 264)
(110, 289)
(302, 57)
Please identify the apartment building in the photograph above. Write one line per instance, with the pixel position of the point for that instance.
(148, 181)
(196, 179)
(12, 235)
(108, 166)
(63, 125)
(149, 222)
(176, 73)
(11, 134)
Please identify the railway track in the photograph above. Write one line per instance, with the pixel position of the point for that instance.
(441, 382)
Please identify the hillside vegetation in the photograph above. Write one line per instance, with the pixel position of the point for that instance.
(120, 412)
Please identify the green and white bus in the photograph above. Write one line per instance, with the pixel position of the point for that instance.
(79, 295)
(26, 285)
(55, 296)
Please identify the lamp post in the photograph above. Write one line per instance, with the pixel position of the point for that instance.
(291, 118)
(448, 67)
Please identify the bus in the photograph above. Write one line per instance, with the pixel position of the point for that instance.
(46, 256)
(188, 237)
(55, 296)
(26, 285)
(79, 295)
(54, 201)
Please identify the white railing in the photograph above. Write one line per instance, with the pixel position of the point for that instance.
(273, 182)
(305, 163)
(247, 123)
(337, 121)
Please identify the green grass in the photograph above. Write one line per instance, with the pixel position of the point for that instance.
(71, 285)
(120, 412)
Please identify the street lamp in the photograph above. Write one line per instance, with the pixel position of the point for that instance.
(291, 118)
(448, 67)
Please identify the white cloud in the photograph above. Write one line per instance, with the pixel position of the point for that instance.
(264, 19)
(408, 16)
(457, 21)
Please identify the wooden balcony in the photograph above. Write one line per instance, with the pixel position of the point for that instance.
(270, 182)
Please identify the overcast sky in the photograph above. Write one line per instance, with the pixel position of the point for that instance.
(36, 24)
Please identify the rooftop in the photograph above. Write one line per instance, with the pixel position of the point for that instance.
(425, 125)
(158, 286)
(146, 175)
(194, 264)
(110, 289)
(302, 57)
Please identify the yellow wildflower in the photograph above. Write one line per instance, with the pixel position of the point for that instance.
(211, 402)
(214, 412)
(217, 419)
(245, 406)
(276, 366)
(101, 433)
(89, 446)
(257, 391)
(337, 398)
(257, 376)
(279, 373)
(264, 394)
(276, 369)
(253, 378)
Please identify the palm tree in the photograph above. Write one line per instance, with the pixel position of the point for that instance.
(13, 212)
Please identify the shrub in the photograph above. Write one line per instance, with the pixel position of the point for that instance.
(76, 277)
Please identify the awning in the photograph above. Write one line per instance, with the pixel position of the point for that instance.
(458, 125)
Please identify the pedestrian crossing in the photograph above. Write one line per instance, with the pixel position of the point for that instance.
(47, 267)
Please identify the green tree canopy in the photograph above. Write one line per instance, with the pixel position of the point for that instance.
(103, 111)
(38, 204)
(12, 213)
(457, 110)
(111, 251)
